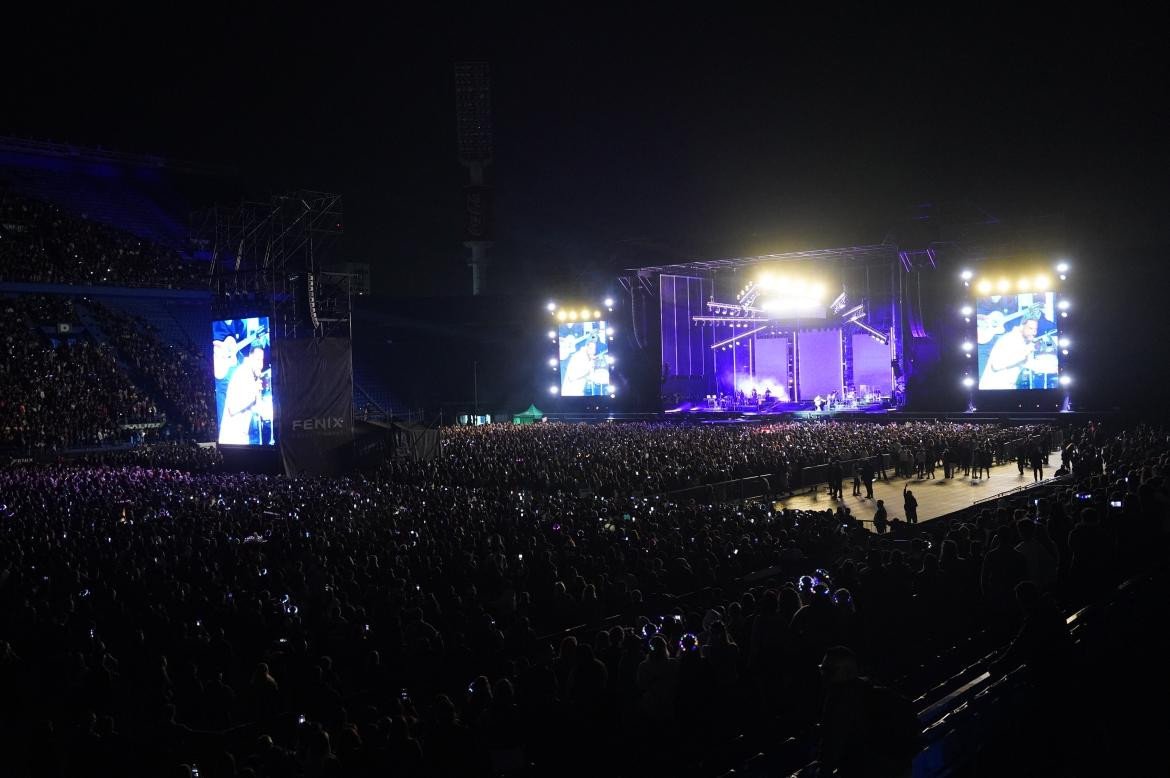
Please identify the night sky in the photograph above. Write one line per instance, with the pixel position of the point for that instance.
(678, 132)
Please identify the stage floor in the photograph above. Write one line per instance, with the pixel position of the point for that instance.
(935, 498)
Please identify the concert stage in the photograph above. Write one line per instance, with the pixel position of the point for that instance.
(776, 410)
(775, 334)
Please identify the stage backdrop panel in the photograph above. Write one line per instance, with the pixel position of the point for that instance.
(871, 364)
(315, 405)
(819, 362)
(772, 364)
(684, 345)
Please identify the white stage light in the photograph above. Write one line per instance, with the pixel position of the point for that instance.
(968, 382)
(966, 275)
(553, 390)
(984, 287)
(966, 310)
(1063, 305)
(1065, 343)
(967, 346)
(609, 360)
(609, 302)
(552, 362)
(552, 306)
(609, 330)
(1062, 267)
(552, 335)
(1065, 380)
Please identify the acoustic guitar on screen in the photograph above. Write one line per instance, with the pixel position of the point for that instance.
(226, 352)
(991, 324)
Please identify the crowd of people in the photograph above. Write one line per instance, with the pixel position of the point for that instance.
(247, 625)
(656, 458)
(179, 374)
(61, 392)
(41, 242)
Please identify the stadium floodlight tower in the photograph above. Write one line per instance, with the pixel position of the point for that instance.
(474, 123)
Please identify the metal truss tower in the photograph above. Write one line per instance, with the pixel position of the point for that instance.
(273, 254)
(473, 105)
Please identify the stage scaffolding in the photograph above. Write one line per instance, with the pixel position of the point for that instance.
(273, 254)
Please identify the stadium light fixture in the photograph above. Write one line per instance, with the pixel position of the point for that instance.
(1024, 284)
(609, 302)
(561, 315)
(1004, 285)
(552, 306)
(1062, 267)
(983, 287)
(966, 275)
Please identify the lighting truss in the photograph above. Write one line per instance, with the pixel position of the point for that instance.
(729, 309)
(736, 337)
(728, 320)
(856, 311)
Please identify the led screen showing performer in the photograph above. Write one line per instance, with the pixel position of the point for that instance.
(241, 356)
(1018, 341)
(584, 358)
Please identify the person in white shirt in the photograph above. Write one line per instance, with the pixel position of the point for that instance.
(243, 400)
(1013, 351)
(579, 369)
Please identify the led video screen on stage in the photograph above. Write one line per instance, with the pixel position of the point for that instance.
(242, 362)
(584, 359)
(1018, 341)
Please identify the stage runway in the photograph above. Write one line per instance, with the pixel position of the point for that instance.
(935, 498)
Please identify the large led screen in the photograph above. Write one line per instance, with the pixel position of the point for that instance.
(1018, 341)
(242, 362)
(584, 359)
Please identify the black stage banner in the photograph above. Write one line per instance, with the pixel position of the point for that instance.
(314, 400)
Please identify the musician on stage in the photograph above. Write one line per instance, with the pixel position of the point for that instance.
(1012, 352)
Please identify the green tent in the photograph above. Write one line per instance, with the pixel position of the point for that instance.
(530, 416)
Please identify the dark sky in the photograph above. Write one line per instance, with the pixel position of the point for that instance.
(706, 134)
